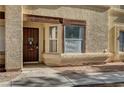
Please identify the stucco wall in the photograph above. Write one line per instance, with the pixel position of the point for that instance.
(60, 59)
(97, 37)
(96, 33)
(115, 6)
(115, 20)
(76, 59)
(13, 38)
(96, 19)
(116, 23)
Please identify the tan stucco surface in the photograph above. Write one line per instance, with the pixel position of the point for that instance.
(13, 38)
(96, 21)
(96, 32)
(116, 24)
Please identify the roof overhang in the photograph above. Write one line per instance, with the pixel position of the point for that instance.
(116, 12)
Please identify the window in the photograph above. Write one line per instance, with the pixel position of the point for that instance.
(121, 41)
(53, 39)
(74, 38)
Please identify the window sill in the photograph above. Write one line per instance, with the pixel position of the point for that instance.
(85, 54)
(121, 53)
(54, 53)
(73, 53)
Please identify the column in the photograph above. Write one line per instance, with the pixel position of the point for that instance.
(13, 37)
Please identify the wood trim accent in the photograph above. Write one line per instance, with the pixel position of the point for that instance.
(85, 33)
(43, 40)
(74, 22)
(2, 15)
(2, 52)
(62, 38)
(56, 20)
(43, 19)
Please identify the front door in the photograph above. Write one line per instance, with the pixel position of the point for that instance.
(30, 44)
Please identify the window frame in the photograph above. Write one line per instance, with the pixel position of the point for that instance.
(121, 50)
(53, 39)
(83, 40)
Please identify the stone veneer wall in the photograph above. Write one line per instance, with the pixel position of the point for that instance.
(13, 37)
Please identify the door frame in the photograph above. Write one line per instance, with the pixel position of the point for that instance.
(31, 62)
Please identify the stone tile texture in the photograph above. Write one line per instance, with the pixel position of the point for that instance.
(51, 77)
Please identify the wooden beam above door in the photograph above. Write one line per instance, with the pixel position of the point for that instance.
(43, 19)
(54, 20)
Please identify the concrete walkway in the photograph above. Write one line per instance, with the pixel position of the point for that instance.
(48, 77)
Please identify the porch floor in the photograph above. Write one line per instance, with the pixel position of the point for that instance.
(44, 76)
(107, 67)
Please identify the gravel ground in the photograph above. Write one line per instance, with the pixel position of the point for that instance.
(7, 76)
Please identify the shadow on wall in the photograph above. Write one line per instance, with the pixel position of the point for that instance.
(122, 6)
(119, 19)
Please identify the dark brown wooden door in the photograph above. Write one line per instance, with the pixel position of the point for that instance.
(30, 44)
